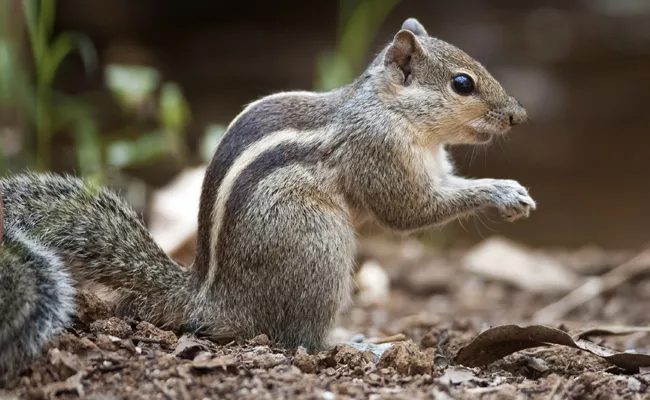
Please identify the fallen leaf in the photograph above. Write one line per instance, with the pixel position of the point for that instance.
(188, 348)
(498, 342)
(611, 330)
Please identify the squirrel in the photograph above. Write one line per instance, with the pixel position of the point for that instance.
(276, 245)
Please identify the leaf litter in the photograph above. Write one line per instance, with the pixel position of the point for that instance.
(450, 340)
(498, 342)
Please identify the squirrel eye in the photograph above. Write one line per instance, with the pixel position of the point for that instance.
(463, 84)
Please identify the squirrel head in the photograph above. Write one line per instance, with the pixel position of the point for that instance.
(444, 93)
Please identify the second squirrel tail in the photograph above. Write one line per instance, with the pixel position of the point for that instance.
(36, 301)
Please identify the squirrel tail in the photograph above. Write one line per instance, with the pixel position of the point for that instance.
(62, 232)
(37, 299)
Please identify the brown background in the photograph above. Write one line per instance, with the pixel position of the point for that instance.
(582, 69)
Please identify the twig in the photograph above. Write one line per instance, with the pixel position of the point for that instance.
(594, 287)
(395, 338)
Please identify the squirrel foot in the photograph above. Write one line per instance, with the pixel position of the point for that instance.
(512, 200)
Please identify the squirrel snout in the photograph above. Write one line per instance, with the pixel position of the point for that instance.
(516, 113)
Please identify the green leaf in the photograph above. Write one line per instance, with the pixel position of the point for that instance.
(46, 19)
(8, 68)
(31, 20)
(174, 117)
(333, 70)
(144, 149)
(62, 46)
(131, 85)
(174, 111)
(356, 33)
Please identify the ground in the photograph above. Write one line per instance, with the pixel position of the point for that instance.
(436, 304)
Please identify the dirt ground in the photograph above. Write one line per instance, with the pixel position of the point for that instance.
(437, 305)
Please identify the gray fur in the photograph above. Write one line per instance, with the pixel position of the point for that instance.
(276, 245)
(284, 237)
(414, 26)
(265, 117)
(36, 301)
(58, 228)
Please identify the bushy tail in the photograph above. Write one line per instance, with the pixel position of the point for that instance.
(36, 301)
(62, 231)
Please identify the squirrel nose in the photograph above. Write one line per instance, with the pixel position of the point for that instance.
(516, 112)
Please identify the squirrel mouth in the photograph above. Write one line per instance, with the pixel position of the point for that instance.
(485, 132)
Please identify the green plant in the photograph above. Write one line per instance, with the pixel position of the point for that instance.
(50, 116)
(133, 87)
(45, 112)
(358, 25)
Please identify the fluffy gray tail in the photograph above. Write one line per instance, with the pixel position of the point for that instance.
(36, 301)
(62, 231)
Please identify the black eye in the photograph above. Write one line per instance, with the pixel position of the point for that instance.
(463, 84)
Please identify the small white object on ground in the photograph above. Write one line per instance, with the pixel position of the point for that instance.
(500, 259)
(373, 283)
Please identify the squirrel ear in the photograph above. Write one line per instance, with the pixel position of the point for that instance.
(414, 26)
(401, 52)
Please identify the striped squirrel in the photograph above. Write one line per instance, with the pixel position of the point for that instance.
(276, 246)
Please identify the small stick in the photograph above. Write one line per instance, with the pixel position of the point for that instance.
(395, 338)
(594, 287)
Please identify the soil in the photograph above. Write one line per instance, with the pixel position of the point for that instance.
(433, 302)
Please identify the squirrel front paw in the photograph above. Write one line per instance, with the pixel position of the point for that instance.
(512, 200)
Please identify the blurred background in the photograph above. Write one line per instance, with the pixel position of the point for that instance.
(136, 93)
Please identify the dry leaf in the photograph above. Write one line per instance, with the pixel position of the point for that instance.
(498, 342)
(188, 348)
(611, 330)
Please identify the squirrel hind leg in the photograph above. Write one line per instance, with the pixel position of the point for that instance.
(289, 276)
(37, 300)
